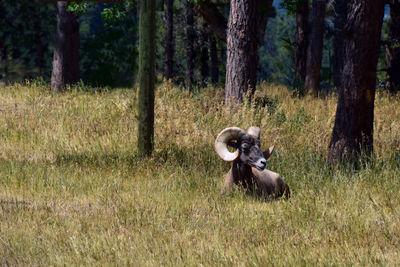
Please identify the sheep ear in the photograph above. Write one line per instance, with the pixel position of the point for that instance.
(267, 153)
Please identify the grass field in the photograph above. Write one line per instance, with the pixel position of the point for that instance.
(73, 191)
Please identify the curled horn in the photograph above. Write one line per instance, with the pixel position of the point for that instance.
(222, 140)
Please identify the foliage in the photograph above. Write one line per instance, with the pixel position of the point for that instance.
(109, 44)
(109, 41)
(277, 54)
(25, 44)
(74, 191)
(291, 5)
(78, 7)
(180, 45)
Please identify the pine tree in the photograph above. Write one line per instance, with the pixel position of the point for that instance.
(146, 76)
(66, 50)
(353, 130)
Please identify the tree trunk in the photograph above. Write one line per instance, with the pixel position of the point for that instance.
(41, 46)
(302, 28)
(213, 18)
(222, 55)
(214, 60)
(246, 27)
(2, 56)
(5, 62)
(204, 69)
(338, 39)
(169, 39)
(66, 49)
(353, 131)
(314, 51)
(190, 36)
(218, 23)
(242, 50)
(146, 76)
(41, 49)
(393, 73)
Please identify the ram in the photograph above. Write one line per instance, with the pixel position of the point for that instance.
(248, 163)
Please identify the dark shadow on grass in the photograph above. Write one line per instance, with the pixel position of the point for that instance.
(97, 159)
(170, 154)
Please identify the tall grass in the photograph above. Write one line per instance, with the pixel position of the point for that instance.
(74, 192)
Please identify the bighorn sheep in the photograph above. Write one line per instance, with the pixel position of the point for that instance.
(249, 162)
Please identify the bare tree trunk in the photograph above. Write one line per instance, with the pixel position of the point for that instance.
(169, 39)
(338, 39)
(146, 76)
(218, 24)
(314, 51)
(264, 11)
(2, 55)
(393, 73)
(302, 28)
(41, 47)
(213, 18)
(204, 69)
(66, 50)
(222, 55)
(40, 50)
(242, 50)
(190, 36)
(214, 60)
(246, 27)
(4, 59)
(353, 131)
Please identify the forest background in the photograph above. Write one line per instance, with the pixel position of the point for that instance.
(74, 189)
(109, 44)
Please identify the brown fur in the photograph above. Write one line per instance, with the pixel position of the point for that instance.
(264, 183)
(246, 170)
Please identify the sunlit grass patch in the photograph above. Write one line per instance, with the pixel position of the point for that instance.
(74, 192)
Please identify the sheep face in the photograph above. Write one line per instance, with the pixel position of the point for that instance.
(250, 152)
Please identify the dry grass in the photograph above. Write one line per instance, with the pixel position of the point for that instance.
(73, 191)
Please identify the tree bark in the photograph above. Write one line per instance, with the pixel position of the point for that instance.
(315, 45)
(302, 29)
(213, 18)
(246, 27)
(146, 76)
(41, 46)
(353, 130)
(2, 55)
(5, 62)
(214, 60)
(66, 49)
(338, 39)
(204, 69)
(242, 50)
(223, 55)
(393, 73)
(190, 36)
(169, 39)
(218, 23)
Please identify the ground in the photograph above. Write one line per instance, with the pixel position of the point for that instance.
(74, 192)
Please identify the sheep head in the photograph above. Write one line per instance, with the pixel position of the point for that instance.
(246, 144)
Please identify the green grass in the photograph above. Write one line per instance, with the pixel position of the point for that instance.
(74, 192)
